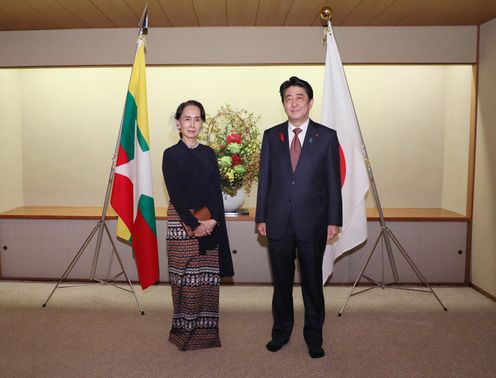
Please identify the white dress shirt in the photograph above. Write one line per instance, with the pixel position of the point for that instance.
(301, 135)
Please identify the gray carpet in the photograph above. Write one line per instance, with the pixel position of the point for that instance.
(98, 331)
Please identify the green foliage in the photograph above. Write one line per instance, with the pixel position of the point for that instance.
(234, 136)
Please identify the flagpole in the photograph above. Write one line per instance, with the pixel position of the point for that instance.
(143, 30)
(143, 25)
(386, 233)
(101, 225)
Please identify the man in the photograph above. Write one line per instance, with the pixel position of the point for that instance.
(298, 209)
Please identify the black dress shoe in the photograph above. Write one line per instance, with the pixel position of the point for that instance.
(274, 345)
(316, 352)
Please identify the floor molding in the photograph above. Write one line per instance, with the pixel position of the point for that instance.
(482, 291)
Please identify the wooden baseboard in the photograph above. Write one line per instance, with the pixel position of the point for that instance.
(483, 292)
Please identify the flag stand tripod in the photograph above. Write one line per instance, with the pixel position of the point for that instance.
(102, 225)
(386, 234)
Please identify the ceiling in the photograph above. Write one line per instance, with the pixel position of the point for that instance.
(78, 14)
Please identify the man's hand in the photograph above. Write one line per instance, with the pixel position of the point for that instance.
(332, 231)
(262, 229)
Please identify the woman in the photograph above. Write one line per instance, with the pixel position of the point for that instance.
(196, 262)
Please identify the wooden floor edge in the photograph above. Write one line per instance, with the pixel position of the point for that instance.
(482, 291)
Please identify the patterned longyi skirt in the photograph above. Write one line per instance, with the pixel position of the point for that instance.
(194, 281)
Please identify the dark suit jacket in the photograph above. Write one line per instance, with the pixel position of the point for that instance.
(310, 197)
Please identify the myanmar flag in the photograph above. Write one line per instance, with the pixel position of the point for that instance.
(132, 194)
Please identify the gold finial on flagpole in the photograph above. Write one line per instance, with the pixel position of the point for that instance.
(326, 13)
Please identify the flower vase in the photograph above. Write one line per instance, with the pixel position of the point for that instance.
(233, 203)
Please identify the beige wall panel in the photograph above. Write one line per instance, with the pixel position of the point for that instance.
(402, 113)
(11, 190)
(456, 138)
(238, 45)
(483, 272)
(71, 118)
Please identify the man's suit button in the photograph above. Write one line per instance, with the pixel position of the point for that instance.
(292, 182)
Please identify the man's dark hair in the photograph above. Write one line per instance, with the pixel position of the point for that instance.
(294, 81)
(198, 104)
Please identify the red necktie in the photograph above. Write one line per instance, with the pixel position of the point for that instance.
(295, 149)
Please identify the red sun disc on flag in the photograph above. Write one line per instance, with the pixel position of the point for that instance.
(342, 165)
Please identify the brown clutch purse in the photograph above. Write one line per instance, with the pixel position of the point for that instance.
(200, 214)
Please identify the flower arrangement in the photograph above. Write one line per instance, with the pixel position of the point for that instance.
(235, 139)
